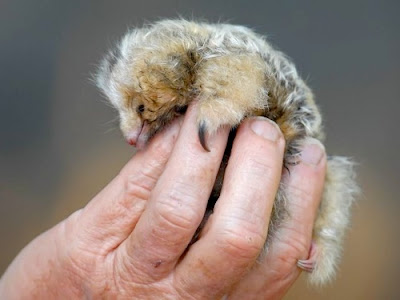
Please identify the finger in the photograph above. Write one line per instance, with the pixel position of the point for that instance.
(176, 205)
(111, 216)
(278, 270)
(238, 227)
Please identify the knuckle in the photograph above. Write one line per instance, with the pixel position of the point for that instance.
(295, 243)
(177, 211)
(140, 185)
(241, 243)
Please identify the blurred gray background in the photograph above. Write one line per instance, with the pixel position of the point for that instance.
(59, 142)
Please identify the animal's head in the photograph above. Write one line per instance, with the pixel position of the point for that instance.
(148, 85)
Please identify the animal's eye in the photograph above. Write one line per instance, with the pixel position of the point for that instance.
(181, 109)
(140, 108)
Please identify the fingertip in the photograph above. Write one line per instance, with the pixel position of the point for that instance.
(265, 128)
(305, 181)
(260, 132)
(313, 152)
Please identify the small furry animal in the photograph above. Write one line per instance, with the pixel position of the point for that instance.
(156, 71)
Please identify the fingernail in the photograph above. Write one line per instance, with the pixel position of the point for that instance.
(313, 151)
(265, 128)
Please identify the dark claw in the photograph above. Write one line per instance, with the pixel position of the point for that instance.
(202, 136)
(291, 161)
(285, 165)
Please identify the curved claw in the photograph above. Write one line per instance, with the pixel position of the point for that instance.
(306, 265)
(202, 136)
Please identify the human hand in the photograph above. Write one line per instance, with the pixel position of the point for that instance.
(273, 275)
(130, 241)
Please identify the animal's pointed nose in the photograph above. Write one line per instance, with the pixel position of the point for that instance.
(131, 141)
(137, 136)
(133, 135)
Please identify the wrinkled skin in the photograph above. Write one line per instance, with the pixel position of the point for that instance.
(131, 240)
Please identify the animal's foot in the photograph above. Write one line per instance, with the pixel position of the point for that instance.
(212, 116)
(309, 264)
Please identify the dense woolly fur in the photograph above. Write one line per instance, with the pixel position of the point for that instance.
(156, 71)
(334, 216)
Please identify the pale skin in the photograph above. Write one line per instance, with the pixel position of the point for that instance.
(130, 241)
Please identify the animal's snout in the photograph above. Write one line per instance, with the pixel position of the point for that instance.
(131, 141)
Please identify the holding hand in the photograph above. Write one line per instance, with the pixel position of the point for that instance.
(131, 240)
